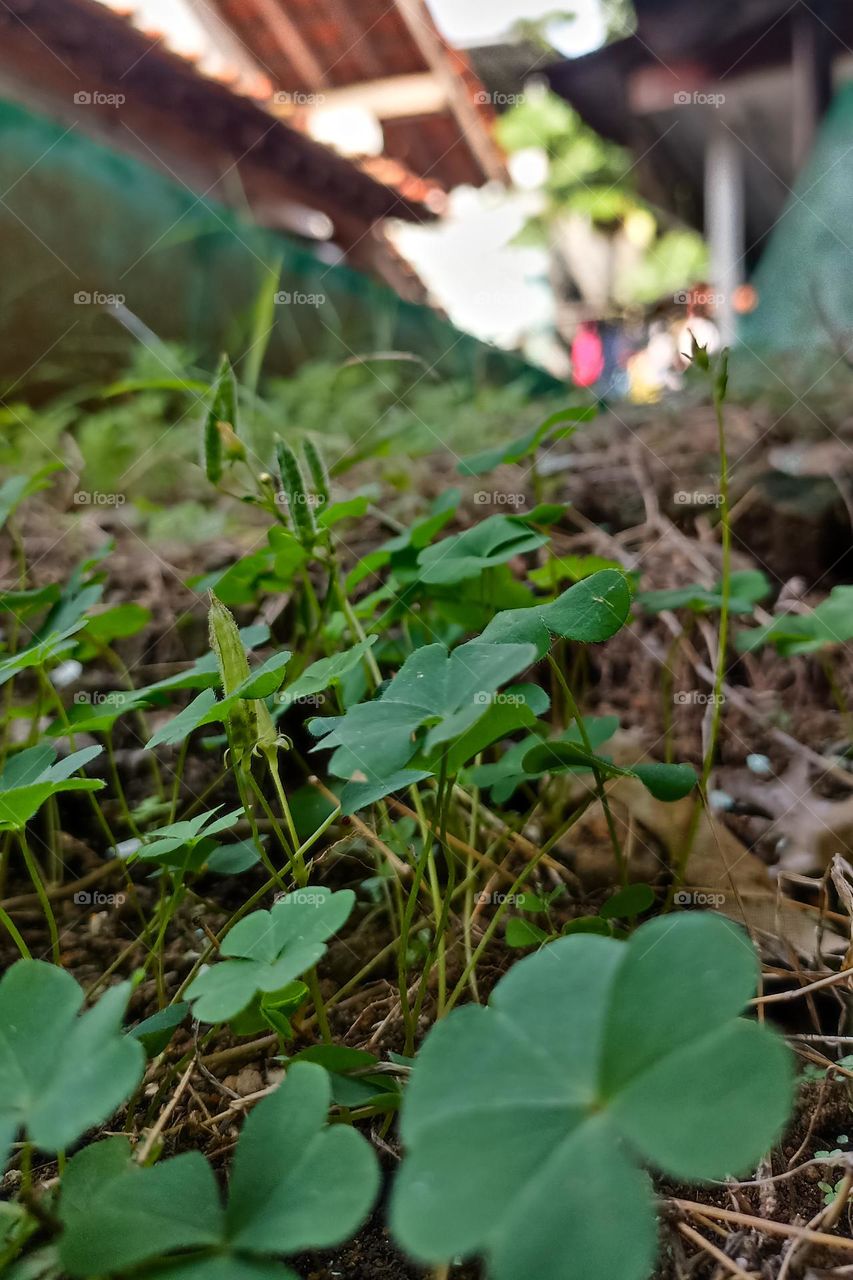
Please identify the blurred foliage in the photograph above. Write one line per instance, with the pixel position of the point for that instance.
(589, 176)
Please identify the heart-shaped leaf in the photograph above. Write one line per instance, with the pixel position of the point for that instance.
(296, 1183)
(375, 740)
(590, 612)
(664, 781)
(466, 555)
(268, 949)
(60, 1073)
(524, 1121)
(33, 776)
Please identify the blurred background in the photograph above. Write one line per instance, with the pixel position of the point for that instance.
(439, 203)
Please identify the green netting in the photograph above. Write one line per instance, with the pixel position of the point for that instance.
(78, 218)
(804, 280)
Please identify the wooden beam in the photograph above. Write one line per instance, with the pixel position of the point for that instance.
(420, 27)
(289, 41)
(392, 98)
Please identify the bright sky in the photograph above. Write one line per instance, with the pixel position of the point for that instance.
(473, 22)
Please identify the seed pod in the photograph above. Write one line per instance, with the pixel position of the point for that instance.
(221, 414)
(317, 468)
(298, 499)
(250, 724)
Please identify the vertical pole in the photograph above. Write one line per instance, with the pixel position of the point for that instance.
(811, 80)
(725, 220)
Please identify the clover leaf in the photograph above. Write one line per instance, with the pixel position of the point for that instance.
(269, 949)
(525, 1121)
(590, 612)
(33, 776)
(448, 692)
(746, 589)
(60, 1073)
(524, 446)
(465, 555)
(296, 1183)
(663, 781)
(829, 624)
(506, 775)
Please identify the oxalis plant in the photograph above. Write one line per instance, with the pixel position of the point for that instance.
(530, 1124)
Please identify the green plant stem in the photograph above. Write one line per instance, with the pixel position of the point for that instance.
(299, 870)
(681, 863)
(575, 714)
(506, 902)
(38, 885)
(12, 929)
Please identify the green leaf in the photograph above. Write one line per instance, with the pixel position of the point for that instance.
(590, 612)
(296, 1183)
(633, 900)
(60, 1073)
(358, 795)
(268, 949)
(322, 674)
(527, 444)
(17, 489)
(523, 1121)
(452, 691)
(154, 1033)
(335, 512)
(664, 781)
(117, 1214)
(507, 775)
(466, 555)
(32, 777)
(522, 933)
(829, 624)
(746, 589)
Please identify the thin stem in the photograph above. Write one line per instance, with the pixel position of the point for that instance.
(38, 885)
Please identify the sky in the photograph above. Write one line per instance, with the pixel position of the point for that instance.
(474, 22)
